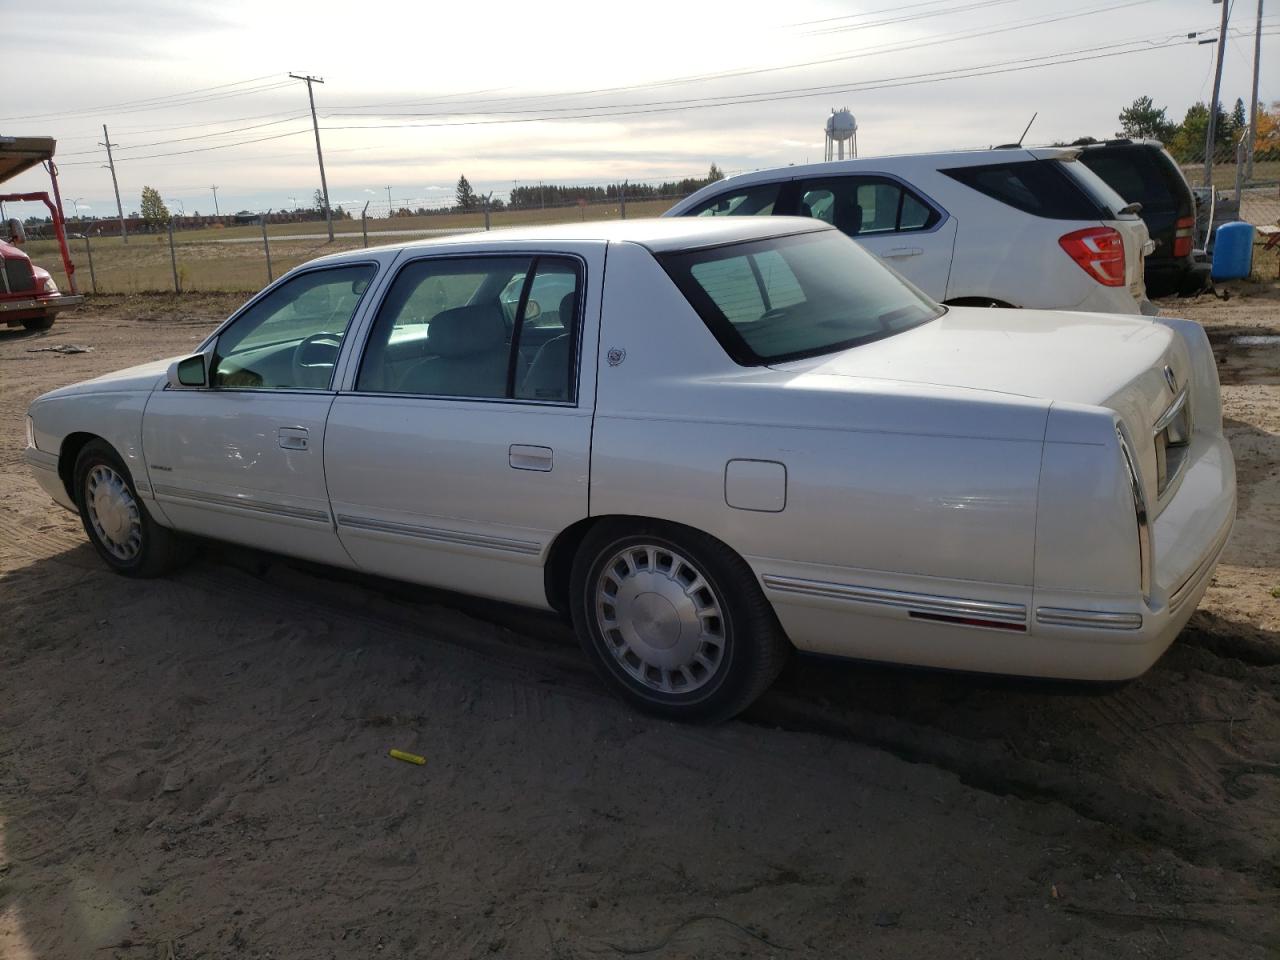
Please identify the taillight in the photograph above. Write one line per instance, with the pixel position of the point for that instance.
(1100, 253)
(1182, 229)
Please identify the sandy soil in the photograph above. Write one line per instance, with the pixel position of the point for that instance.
(197, 766)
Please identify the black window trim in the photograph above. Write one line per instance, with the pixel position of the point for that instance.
(575, 353)
(211, 340)
(904, 186)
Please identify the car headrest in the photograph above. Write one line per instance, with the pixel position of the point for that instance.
(568, 306)
(848, 215)
(477, 328)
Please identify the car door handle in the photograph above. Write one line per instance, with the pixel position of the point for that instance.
(293, 438)
(525, 457)
(905, 252)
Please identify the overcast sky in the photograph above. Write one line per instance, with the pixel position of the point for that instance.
(446, 89)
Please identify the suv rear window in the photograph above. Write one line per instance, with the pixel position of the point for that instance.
(1042, 188)
(1144, 174)
(785, 298)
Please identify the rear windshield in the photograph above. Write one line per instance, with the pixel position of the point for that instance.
(1042, 188)
(1143, 174)
(785, 298)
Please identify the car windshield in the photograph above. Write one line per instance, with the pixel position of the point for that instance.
(785, 298)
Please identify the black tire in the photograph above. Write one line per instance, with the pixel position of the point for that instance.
(39, 323)
(748, 651)
(157, 550)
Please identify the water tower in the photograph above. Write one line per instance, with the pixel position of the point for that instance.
(841, 129)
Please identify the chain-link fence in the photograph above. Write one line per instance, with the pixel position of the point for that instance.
(243, 253)
(1239, 184)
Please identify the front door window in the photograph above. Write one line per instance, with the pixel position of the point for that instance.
(290, 338)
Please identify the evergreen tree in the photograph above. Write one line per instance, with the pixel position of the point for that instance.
(1142, 118)
(466, 197)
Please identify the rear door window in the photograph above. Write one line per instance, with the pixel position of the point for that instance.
(498, 328)
(1038, 187)
(751, 201)
(864, 206)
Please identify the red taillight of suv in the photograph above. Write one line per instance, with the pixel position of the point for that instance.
(1100, 253)
(1182, 228)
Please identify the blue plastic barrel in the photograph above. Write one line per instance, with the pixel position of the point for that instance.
(1233, 251)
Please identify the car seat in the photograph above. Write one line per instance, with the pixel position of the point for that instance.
(847, 215)
(469, 355)
(548, 376)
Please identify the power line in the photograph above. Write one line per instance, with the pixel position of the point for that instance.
(908, 18)
(867, 13)
(200, 136)
(182, 153)
(893, 47)
(625, 109)
(130, 103)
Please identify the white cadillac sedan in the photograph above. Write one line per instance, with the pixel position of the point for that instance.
(707, 442)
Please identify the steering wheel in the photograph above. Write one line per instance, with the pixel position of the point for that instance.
(313, 360)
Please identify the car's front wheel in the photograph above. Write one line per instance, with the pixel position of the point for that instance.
(117, 522)
(674, 620)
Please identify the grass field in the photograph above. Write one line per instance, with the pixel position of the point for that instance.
(207, 263)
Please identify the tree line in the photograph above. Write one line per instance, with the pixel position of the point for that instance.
(530, 197)
(1185, 139)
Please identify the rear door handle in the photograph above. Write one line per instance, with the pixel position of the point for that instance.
(905, 252)
(525, 457)
(293, 438)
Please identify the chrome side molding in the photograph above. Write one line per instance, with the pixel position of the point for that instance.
(1093, 619)
(438, 535)
(923, 606)
(164, 491)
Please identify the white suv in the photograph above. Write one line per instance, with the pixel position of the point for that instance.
(1007, 227)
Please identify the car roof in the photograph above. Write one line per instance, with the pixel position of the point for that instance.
(660, 235)
(904, 164)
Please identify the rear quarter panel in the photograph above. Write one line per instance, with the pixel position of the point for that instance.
(888, 486)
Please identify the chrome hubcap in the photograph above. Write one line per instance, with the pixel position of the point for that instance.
(660, 618)
(113, 512)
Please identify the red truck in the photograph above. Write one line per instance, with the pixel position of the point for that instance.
(28, 295)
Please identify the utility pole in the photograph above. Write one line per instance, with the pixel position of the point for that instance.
(1217, 90)
(111, 165)
(324, 184)
(1253, 103)
(214, 188)
(391, 211)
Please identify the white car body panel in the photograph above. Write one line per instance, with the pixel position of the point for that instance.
(404, 494)
(995, 251)
(954, 495)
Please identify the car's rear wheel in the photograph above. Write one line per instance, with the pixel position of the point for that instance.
(42, 322)
(117, 521)
(674, 620)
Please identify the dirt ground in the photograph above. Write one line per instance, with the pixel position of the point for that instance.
(197, 766)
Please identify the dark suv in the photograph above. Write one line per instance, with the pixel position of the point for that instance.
(1142, 172)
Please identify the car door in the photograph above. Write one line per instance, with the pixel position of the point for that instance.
(460, 446)
(241, 457)
(909, 232)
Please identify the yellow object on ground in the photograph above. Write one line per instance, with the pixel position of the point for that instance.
(407, 757)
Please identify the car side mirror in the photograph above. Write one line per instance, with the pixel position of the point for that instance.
(189, 372)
